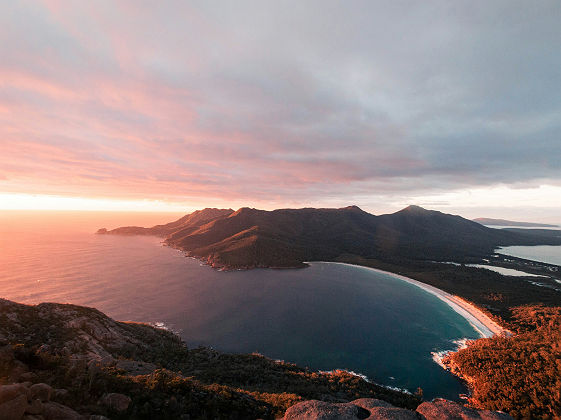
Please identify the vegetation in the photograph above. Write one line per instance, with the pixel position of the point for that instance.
(521, 374)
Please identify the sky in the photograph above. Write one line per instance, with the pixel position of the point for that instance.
(178, 105)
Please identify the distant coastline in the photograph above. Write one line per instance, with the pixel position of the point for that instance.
(511, 223)
(482, 323)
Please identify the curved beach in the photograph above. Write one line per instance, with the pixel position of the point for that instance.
(484, 325)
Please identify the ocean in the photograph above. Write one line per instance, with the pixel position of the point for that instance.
(326, 317)
(550, 254)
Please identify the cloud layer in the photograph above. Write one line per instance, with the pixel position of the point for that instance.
(284, 102)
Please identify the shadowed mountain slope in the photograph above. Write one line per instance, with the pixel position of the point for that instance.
(250, 238)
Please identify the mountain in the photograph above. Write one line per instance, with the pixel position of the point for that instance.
(192, 220)
(503, 222)
(249, 238)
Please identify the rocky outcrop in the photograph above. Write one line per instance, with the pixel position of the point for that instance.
(79, 333)
(116, 402)
(32, 401)
(14, 409)
(443, 409)
(41, 392)
(309, 410)
(56, 411)
(373, 409)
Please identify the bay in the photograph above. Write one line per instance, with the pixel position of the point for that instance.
(327, 316)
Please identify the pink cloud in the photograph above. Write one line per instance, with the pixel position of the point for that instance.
(188, 100)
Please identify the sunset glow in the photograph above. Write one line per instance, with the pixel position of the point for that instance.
(266, 110)
(290, 209)
(50, 202)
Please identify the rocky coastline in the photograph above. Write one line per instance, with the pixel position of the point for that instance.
(60, 361)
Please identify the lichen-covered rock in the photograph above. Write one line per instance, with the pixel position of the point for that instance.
(32, 417)
(6, 357)
(41, 392)
(372, 409)
(35, 407)
(321, 410)
(60, 394)
(9, 392)
(133, 367)
(55, 411)
(369, 403)
(115, 401)
(391, 413)
(28, 376)
(14, 408)
(383, 410)
(444, 409)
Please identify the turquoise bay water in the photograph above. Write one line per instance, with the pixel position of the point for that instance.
(327, 316)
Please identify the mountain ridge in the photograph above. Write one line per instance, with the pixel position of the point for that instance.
(286, 238)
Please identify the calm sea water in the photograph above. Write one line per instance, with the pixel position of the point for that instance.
(545, 253)
(327, 316)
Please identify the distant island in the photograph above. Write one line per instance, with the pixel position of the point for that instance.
(503, 222)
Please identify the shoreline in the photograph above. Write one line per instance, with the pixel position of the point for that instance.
(482, 323)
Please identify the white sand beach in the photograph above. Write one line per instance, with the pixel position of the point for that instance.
(484, 325)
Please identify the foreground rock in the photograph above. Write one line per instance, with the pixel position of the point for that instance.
(443, 409)
(116, 402)
(324, 410)
(373, 409)
(26, 401)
